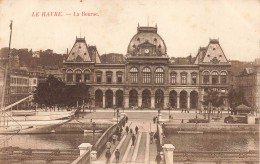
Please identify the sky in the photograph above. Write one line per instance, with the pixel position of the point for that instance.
(185, 25)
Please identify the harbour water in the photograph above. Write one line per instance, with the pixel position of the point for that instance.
(182, 142)
(48, 141)
(214, 142)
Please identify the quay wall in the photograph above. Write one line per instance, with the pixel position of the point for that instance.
(210, 128)
(74, 126)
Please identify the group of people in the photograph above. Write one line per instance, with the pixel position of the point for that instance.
(117, 136)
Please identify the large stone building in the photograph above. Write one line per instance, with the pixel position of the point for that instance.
(249, 82)
(148, 78)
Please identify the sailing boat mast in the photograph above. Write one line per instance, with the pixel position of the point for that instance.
(6, 72)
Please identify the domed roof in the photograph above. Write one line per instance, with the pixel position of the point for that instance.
(147, 42)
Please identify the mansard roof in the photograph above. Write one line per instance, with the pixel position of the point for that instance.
(212, 54)
(81, 52)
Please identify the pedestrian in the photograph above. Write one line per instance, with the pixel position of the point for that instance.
(158, 158)
(108, 156)
(151, 137)
(108, 145)
(117, 129)
(123, 123)
(154, 119)
(121, 129)
(127, 129)
(133, 140)
(117, 154)
(114, 139)
(126, 119)
(118, 136)
(136, 129)
(131, 131)
(156, 135)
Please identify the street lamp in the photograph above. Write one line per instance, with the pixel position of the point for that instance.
(114, 107)
(169, 107)
(117, 112)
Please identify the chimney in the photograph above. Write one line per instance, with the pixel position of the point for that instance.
(67, 51)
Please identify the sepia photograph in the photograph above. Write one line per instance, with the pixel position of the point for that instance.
(129, 82)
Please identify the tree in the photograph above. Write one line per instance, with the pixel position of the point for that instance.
(50, 93)
(213, 99)
(76, 93)
(236, 97)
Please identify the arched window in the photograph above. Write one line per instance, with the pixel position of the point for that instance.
(69, 76)
(78, 75)
(146, 75)
(205, 77)
(223, 77)
(159, 76)
(133, 75)
(184, 78)
(214, 77)
(86, 76)
(173, 77)
(109, 77)
(193, 78)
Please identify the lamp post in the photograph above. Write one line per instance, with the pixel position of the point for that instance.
(169, 107)
(114, 107)
(117, 112)
(93, 127)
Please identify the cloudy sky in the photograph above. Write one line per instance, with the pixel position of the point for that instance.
(185, 25)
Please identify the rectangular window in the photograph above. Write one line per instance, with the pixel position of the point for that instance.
(133, 77)
(214, 79)
(87, 77)
(183, 79)
(223, 80)
(119, 78)
(146, 77)
(109, 79)
(99, 79)
(194, 79)
(205, 79)
(69, 77)
(173, 79)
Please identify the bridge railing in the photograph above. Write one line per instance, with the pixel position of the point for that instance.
(100, 144)
(83, 159)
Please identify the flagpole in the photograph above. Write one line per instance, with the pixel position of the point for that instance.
(6, 72)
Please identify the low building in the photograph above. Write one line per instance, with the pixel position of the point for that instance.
(249, 82)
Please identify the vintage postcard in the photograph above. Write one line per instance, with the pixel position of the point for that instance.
(130, 81)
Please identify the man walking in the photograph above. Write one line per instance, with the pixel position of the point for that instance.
(127, 129)
(117, 154)
(158, 158)
(136, 129)
(133, 140)
(114, 139)
(108, 156)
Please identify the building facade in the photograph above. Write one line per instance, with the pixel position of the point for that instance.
(148, 78)
(249, 82)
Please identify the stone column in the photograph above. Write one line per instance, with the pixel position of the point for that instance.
(104, 101)
(139, 100)
(178, 101)
(126, 101)
(84, 147)
(152, 101)
(188, 101)
(74, 77)
(166, 101)
(114, 98)
(168, 153)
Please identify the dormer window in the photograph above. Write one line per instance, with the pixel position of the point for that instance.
(155, 39)
(85, 53)
(134, 45)
(208, 55)
(138, 39)
(159, 46)
(73, 53)
(220, 55)
(79, 46)
(214, 49)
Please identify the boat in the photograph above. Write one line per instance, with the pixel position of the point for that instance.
(31, 127)
(23, 113)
